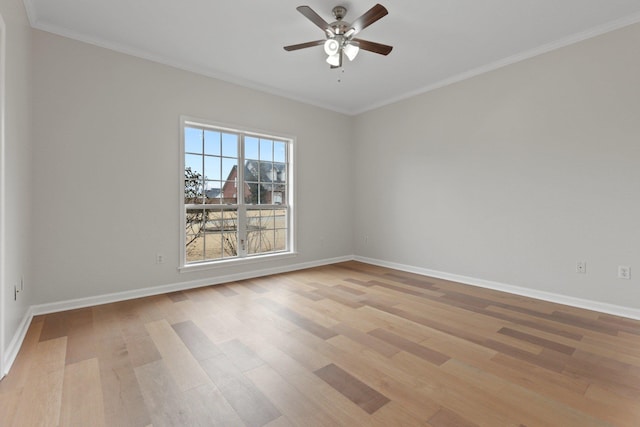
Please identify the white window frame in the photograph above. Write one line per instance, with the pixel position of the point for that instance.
(243, 257)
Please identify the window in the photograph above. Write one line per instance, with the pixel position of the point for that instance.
(236, 194)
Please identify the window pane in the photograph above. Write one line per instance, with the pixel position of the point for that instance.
(251, 192)
(280, 218)
(270, 194)
(193, 190)
(280, 172)
(229, 170)
(266, 149)
(279, 152)
(230, 220)
(280, 232)
(229, 193)
(212, 168)
(194, 242)
(230, 244)
(213, 192)
(229, 145)
(193, 162)
(251, 148)
(212, 142)
(252, 220)
(213, 221)
(194, 248)
(213, 246)
(251, 170)
(194, 218)
(266, 219)
(192, 140)
(253, 242)
(280, 240)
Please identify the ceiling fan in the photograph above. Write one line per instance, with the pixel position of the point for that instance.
(340, 35)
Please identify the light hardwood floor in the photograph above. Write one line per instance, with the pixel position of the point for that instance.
(342, 345)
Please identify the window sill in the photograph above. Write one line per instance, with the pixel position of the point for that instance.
(211, 265)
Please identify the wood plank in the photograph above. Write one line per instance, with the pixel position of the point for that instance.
(55, 325)
(447, 418)
(196, 340)
(80, 336)
(241, 355)
(370, 340)
(184, 369)
(177, 296)
(162, 395)
(281, 421)
(42, 391)
(82, 400)
(123, 401)
(225, 290)
(298, 319)
(355, 390)
(9, 402)
(552, 345)
(393, 414)
(251, 405)
(302, 378)
(289, 401)
(404, 344)
(209, 407)
(18, 375)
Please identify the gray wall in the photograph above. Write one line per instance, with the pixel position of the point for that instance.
(107, 168)
(513, 176)
(18, 166)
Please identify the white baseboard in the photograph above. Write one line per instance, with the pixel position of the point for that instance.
(616, 310)
(163, 289)
(16, 342)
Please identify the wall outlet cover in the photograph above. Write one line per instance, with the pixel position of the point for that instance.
(624, 272)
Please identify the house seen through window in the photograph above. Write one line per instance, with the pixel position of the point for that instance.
(236, 194)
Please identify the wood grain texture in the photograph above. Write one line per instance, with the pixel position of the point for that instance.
(348, 344)
(355, 390)
(82, 401)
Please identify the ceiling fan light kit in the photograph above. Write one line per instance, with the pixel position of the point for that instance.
(340, 34)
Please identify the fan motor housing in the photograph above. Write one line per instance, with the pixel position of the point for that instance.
(339, 12)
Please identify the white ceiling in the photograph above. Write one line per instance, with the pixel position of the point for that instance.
(435, 41)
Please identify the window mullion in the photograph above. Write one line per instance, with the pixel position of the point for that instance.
(242, 210)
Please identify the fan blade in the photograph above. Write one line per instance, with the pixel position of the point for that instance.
(315, 18)
(372, 15)
(303, 45)
(374, 47)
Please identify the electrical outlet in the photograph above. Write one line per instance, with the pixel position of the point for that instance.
(581, 267)
(160, 259)
(624, 272)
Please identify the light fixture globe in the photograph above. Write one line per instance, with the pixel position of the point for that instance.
(351, 50)
(331, 47)
(334, 60)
